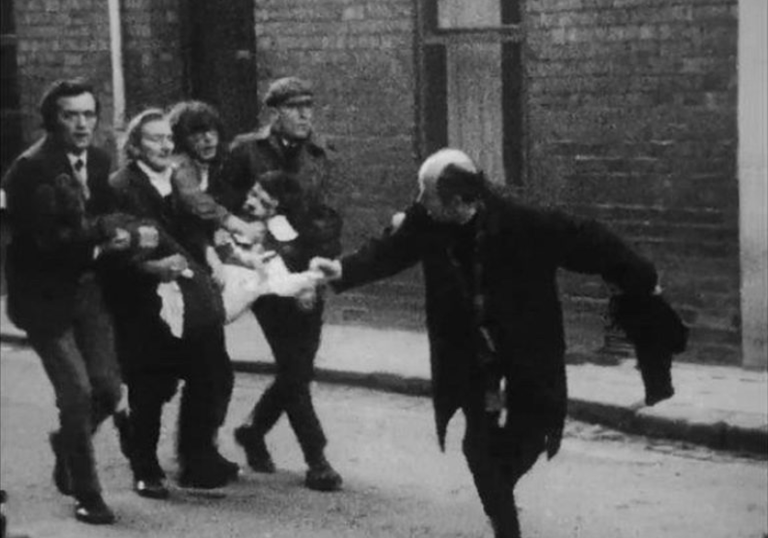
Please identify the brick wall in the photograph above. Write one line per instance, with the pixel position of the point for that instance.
(152, 53)
(359, 55)
(68, 38)
(632, 118)
(58, 38)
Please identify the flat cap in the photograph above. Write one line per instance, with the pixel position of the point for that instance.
(287, 88)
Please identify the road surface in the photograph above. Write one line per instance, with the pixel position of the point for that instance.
(397, 483)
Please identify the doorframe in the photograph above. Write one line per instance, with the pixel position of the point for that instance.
(431, 114)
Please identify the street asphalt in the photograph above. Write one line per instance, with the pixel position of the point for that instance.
(719, 407)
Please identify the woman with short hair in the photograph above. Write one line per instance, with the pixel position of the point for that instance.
(169, 322)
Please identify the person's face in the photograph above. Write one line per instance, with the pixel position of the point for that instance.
(259, 204)
(453, 211)
(156, 145)
(76, 119)
(294, 119)
(204, 145)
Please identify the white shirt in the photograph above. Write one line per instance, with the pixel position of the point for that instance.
(82, 175)
(203, 168)
(161, 181)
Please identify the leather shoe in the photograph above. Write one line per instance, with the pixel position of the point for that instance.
(203, 477)
(229, 468)
(62, 478)
(256, 452)
(151, 488)
(322, 477)
(92, 509)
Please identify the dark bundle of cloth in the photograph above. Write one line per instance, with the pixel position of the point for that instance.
(318, 226)
(657, 333)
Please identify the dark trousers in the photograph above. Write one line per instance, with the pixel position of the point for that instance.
(498, 458)
(82, 366)
(202, 362)
(294, 337)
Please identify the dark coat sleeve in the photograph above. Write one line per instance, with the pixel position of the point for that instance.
(657, 333)
(587, 246)
(650, 323)
(54, 212)
(397, 249)
(191, 198)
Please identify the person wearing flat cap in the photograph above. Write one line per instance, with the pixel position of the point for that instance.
(288, 146)
(494, 319)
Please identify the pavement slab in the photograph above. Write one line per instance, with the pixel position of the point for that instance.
(720, 407)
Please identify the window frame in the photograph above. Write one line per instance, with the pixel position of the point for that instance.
(431, 88)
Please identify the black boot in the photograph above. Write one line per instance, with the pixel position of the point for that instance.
(92, 509)
(256, 452)
(321, 476)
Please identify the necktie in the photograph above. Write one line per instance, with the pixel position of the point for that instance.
(79, 167)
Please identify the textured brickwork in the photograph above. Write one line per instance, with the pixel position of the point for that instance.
(359, 54)
(67, 38)
(152, 53)
(61, 38)
(632, 118)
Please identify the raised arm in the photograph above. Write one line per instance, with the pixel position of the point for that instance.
(398, 248)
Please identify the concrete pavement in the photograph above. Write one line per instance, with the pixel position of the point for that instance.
(716, 406)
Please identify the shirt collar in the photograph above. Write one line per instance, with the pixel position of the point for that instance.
(73, 158)
(160, 180)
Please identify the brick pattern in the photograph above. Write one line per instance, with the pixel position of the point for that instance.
(67, 38)
(632, 119)
(152, 53)
(58, 38)
(359, 56)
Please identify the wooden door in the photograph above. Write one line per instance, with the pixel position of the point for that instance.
(472, 83)
(220, 64)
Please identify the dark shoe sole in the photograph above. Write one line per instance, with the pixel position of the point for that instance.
(203, 482)
(150, 490)
(327, 482)
(94, 516)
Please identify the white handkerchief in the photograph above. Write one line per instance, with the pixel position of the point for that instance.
(281, 229)
(172, 308)
(280, 281)
(242, 286)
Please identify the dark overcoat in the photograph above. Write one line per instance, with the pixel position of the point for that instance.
(309, 164)
(521, 251)
(52, 242)
(131, 293)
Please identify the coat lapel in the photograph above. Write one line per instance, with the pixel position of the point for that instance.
(149, 197)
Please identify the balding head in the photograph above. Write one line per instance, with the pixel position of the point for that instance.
(450, 186)
(435, 164)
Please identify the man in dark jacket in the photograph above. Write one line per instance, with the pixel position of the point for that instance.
(292, 329)
(493, 314)
(286, 148)
(58, 196)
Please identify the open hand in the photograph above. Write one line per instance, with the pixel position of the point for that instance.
(120, 240)
(330, 269)
(148, 237)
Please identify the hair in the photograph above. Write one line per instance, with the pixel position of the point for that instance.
(133, 131)
(49, 106)
(454, 180)
(191, 117)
